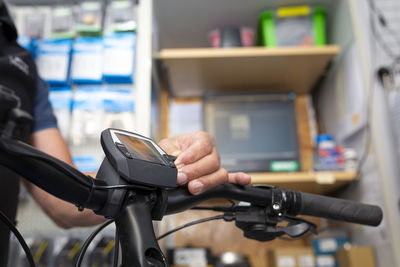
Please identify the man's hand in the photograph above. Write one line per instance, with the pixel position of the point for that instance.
(198, 162)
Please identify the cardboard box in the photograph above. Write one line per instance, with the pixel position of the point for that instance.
(325, 261)
(291, 257)
(356, 257)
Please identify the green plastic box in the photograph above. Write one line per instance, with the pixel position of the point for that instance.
(293, 26)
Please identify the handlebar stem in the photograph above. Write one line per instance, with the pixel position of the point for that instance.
(136, 234)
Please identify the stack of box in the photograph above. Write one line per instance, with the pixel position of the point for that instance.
(325, 250)
(291, 257)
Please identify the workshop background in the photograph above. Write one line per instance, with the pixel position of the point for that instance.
(303, 94)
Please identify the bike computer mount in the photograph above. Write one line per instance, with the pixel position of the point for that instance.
(138, 159)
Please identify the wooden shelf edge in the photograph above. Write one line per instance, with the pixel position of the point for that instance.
(313, 182)
(193, 53)
(317, 177)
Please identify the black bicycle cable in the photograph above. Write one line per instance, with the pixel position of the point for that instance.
(116, 248)
(216, 208)
(218, 217)
(306, 235)
(122, 186)
(89, 240)
(18, 235)
(230, 208)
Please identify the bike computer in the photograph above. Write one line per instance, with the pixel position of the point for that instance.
(138, 159)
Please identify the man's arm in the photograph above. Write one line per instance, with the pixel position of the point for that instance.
(64, 214)
(197, 161)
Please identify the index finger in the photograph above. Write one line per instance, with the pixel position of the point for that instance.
(194, 152)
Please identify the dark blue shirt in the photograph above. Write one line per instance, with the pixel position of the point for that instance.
(18, 73)
(42, 110)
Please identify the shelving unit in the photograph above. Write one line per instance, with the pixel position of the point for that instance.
(189, 68)
(31, 220)
(312, 182)
(194, 72)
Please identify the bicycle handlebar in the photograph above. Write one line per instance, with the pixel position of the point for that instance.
(340, 209)
(141, 205)
(67, 183)
(307, 204)
(77, 188)
(133, 212)
(181, 199)
(52, 175)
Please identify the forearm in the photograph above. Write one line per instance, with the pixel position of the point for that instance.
(62, 213)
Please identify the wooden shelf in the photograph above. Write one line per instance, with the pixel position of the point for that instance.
(311, 182)
(194, 72)
(182, 24)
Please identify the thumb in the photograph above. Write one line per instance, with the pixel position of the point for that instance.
(170, 147)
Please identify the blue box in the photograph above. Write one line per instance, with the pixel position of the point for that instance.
(328, 245)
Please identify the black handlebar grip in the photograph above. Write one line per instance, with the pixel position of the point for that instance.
(340, 209)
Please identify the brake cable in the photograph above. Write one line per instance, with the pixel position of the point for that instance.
(116, 248)
(18, 235)
(89, 240)
(218, 217)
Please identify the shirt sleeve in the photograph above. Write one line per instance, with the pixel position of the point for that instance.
(42, 110)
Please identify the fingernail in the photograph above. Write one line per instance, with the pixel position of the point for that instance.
(176, 153)
(182, 178)
(197, 187)
(179, 165)
(179, 158)
(247, 179)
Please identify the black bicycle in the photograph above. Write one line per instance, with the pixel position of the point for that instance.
(136, 184)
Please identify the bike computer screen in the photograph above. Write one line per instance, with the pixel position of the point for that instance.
(138, 159)
(140, 148)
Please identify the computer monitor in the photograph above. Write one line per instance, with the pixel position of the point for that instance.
(254, 133)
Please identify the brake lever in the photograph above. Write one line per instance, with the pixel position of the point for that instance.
(294, 220)
(296, 230)
(262, 227)
(260, 223)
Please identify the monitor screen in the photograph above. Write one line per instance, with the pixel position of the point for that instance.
(140, 148)
(253, 132)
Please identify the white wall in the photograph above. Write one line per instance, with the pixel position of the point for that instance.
(342, 103)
